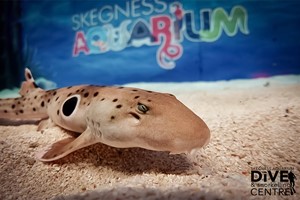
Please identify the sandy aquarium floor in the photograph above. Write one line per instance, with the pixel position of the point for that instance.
(254, 123)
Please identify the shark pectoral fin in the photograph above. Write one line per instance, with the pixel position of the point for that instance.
(66, 146)
(45, 124)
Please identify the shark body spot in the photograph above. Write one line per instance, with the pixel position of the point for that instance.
(35, 85)
(119, 106)
(115, 100)
(28, 75)
(96, 93)
(43, 104)
(86, 94)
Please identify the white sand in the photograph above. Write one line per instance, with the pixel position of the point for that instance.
(253, 123)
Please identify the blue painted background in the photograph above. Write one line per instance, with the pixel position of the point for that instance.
(270, 48)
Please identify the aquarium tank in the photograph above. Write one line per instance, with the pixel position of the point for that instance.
(116, 42)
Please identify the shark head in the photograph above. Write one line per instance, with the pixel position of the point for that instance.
(151, 120)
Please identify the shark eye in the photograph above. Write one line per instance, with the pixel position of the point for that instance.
(142, 108)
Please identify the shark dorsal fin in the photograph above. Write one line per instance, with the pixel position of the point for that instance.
(29, 84)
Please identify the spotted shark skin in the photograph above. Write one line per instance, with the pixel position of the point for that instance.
(121, 117)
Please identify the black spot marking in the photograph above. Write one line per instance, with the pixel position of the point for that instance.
(112, 117)
(13, 106)
(135, 115)
(96, 93)
(135, 90)
(35, 85)
(115, 100)
(119, 106)
(24, 99)
(29, 76)
(88, 104)
(54, 93)
(56, 98)
(57, 112)
(69, 87)
(48, 100)
(77, 91)
(137, 97)
(69, 94)
(21, 111)
(19, 102)
(120, 87)
(82, 90)
(5, 111)
(102, 99)
(34, 109)
(149, 91)
(149, 100)
(35, 96)
(69, 106)
(43, 104)
(86, 94)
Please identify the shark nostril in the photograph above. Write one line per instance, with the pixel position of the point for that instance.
(135, 115)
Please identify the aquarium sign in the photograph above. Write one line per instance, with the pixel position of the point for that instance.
(160, 24)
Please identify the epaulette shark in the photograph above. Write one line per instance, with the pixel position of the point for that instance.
(120, 117)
